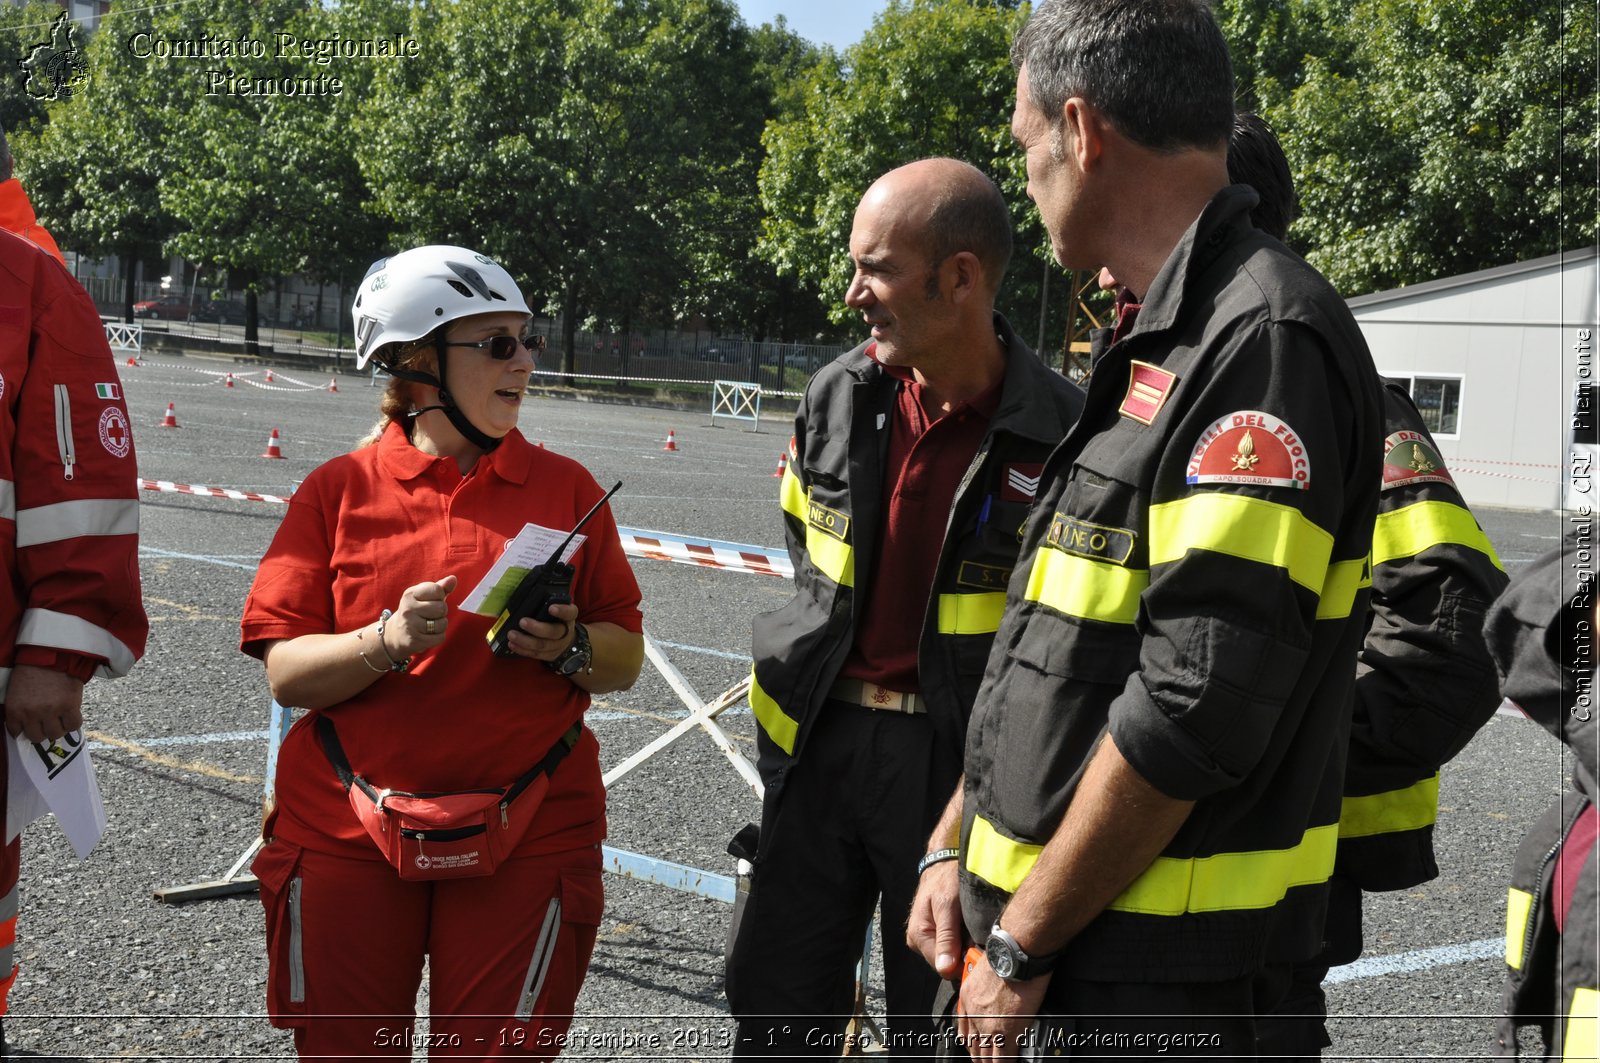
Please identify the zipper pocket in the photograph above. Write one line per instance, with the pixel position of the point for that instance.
(64, 430)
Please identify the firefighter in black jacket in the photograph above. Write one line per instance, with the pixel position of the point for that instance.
(1542, 635)
(915, 459)
(1154, 762)
(1425, 682)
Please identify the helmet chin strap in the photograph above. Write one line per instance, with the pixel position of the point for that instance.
(469, 431)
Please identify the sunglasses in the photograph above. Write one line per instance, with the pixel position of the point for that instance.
(500, 348)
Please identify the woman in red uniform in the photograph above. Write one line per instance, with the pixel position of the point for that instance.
(355, 611)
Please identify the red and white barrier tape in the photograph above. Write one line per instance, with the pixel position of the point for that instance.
(1458, 468)
(707, 553)
(654, 545)
(209, 492)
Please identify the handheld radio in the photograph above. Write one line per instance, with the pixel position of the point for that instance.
(545, 585)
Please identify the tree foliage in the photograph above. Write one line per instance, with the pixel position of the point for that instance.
(1428, 137)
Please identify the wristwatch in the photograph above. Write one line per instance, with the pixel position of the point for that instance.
(578, 657)
(1010, 962)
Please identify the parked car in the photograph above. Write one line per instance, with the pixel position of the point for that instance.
(223, 312)
(166, 308)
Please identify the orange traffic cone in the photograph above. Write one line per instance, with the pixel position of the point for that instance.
(171, 419)
(273, 450)
(672, 440)
(783, 465)
(333, 385)
(229, 381)
(269, 376)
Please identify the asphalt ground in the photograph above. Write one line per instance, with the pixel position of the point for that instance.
(108, 972)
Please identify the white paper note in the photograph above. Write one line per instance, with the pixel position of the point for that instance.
(531, 548)
(56, 777)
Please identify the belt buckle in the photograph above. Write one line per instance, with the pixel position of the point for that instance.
(876, 697)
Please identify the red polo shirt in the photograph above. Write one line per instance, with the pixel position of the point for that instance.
(359, 531)
(926, 460)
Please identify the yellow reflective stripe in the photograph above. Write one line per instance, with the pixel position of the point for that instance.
(833, 559)
(1173, 886)
(1251, 528)
(1583, 1026)
(1410, 808)
(1519, 915)
(1230, 881)
(1079, 586)
(779, 725)
(792, 496)
(971, 614)
(1345, 580)
(1408, 531)
(996, 859)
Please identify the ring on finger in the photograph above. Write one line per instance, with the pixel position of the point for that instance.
(429, 626)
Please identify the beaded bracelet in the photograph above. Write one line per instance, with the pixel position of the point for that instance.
(938, 856)
(394, 665)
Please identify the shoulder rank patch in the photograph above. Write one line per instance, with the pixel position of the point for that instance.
(1148, 387)
(1409, 458)
(1250, 447)
(1022, 481)
(1073, 536)
(828, 521)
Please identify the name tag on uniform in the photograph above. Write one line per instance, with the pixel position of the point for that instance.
(828, 521)
(1073, 536)
(982, 577)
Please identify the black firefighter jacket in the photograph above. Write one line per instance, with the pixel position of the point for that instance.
(1194, 580)
(831, 497)
(1425, 681)
(1542, 635)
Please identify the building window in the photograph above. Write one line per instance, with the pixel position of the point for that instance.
(1438, 399)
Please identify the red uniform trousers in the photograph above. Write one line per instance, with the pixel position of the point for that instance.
(506, 953)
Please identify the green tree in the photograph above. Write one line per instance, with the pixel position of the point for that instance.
(95, 171)
(590, 145)
(931, 77)
(262, 182)
(1436, 137)
(21, 28)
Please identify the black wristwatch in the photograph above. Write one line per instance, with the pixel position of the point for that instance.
(1009, 961)
(578, 657)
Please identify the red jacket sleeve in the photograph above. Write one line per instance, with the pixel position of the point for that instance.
(67, 459)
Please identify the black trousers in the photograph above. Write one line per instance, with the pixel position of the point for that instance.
(1289, 997)
(851, 822)
(1144, 1020)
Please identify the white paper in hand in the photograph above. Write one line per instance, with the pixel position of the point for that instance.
(55, 777)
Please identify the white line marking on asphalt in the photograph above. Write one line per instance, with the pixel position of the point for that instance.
(1417, 960)
(150, 551)
(724, 654)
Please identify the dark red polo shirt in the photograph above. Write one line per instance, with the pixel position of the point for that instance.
(926, 460)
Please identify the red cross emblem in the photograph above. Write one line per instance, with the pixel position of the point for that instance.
(114, 433)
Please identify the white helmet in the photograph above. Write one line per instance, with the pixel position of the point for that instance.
(405, 297)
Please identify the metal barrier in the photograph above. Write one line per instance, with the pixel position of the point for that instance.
(737, 399)
(124, 337)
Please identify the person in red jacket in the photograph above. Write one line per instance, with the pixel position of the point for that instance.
(16, 213)
(356, 613)
(70, 605)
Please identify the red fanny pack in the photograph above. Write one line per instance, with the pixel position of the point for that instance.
(458, 834)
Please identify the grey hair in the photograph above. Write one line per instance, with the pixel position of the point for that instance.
(968, 213)
(1158, 69)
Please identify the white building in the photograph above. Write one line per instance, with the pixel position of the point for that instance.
(1492, 359)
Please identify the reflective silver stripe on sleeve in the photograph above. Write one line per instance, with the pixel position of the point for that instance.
(62, 631)
(8, 914)
(8, 500)
(61, 521)
(539, 965)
